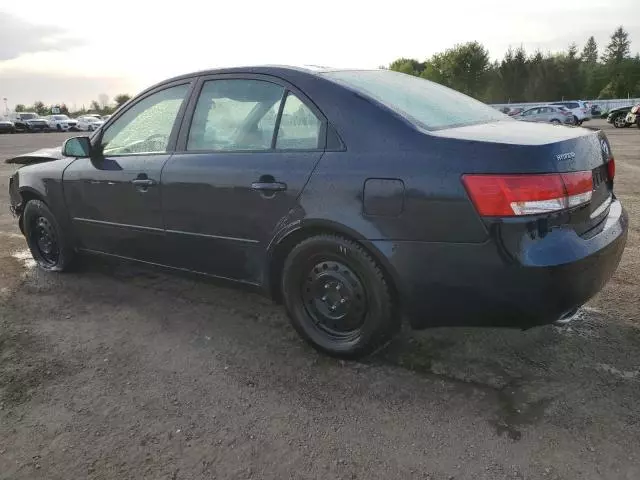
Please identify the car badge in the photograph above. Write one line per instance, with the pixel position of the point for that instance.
(566, 156)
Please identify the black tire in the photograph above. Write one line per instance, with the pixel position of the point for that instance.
(59, 127)
(333, 266)
(555, 121)
(48, 243)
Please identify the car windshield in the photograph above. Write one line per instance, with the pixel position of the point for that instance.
(28, 116)
(424, 103)
(60, 117)
(92, 119)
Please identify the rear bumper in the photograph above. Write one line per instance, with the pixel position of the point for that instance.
(482, 285)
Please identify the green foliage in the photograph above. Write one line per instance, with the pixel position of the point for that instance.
(20, 108)
(619, 47)
(520, 77)
(40, 108)
(590, 51)
(95, 107)
(121, 99)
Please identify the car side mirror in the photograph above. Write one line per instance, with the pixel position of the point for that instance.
(79, 147)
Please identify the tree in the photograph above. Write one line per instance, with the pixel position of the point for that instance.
(121, 99)
(39, 108)
(20, 107)
(95, 106)
(464, 68)
(590, 51)
(407, 65)
(514, 74)
(619, 47)
(541, 77)
(571, 80)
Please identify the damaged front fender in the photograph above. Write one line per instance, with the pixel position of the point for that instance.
(39, 156)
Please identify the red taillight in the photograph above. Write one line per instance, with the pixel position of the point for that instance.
(515, 195)
(611, 168)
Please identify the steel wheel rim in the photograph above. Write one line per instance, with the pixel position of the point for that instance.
(45, 241)
(335, 300)
(619, 122)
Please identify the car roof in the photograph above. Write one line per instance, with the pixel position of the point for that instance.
(285, 71)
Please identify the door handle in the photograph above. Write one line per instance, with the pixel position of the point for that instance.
(143, 182)
(269, 186)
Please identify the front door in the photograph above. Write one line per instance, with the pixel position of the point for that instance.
(114, 199)
(246, 156)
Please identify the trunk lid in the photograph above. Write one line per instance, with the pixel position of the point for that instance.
(511, 147)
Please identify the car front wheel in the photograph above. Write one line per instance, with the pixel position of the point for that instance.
(619, 121)
(47, 242)
(337, 297)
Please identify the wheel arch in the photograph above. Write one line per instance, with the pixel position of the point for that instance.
(27, 194)
(283, 244)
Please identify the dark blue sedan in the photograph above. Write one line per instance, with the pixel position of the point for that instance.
(356, 198)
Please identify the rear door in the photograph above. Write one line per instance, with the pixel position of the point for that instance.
(114, 199)
(247, 148)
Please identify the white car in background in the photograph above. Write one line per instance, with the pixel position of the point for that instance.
(89, 123)
(581, 110)
(61, 123)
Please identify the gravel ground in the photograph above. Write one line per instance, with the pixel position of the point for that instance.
(119, 371)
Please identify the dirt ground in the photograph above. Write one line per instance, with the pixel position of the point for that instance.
(124, 372)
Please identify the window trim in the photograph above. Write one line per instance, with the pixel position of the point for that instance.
(185, 127)
(96, 139)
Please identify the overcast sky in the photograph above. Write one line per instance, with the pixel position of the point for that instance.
(74, 51)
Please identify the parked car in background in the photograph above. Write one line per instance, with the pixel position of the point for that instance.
(104, 118)
(88, 123)
(7, 126)
(61, 123)
(515, 111)
(633, 117)
(618, 116)
(295, 188)
(556, 115)
(28, 122)
(581, 110)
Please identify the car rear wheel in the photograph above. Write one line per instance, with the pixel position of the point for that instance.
(619, 121)
(555, 121)
(337, 297)
(47, 242)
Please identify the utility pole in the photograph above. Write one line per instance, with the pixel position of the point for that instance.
(6, 106)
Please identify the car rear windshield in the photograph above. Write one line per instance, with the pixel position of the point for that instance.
(28, 116)
(424, 103)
